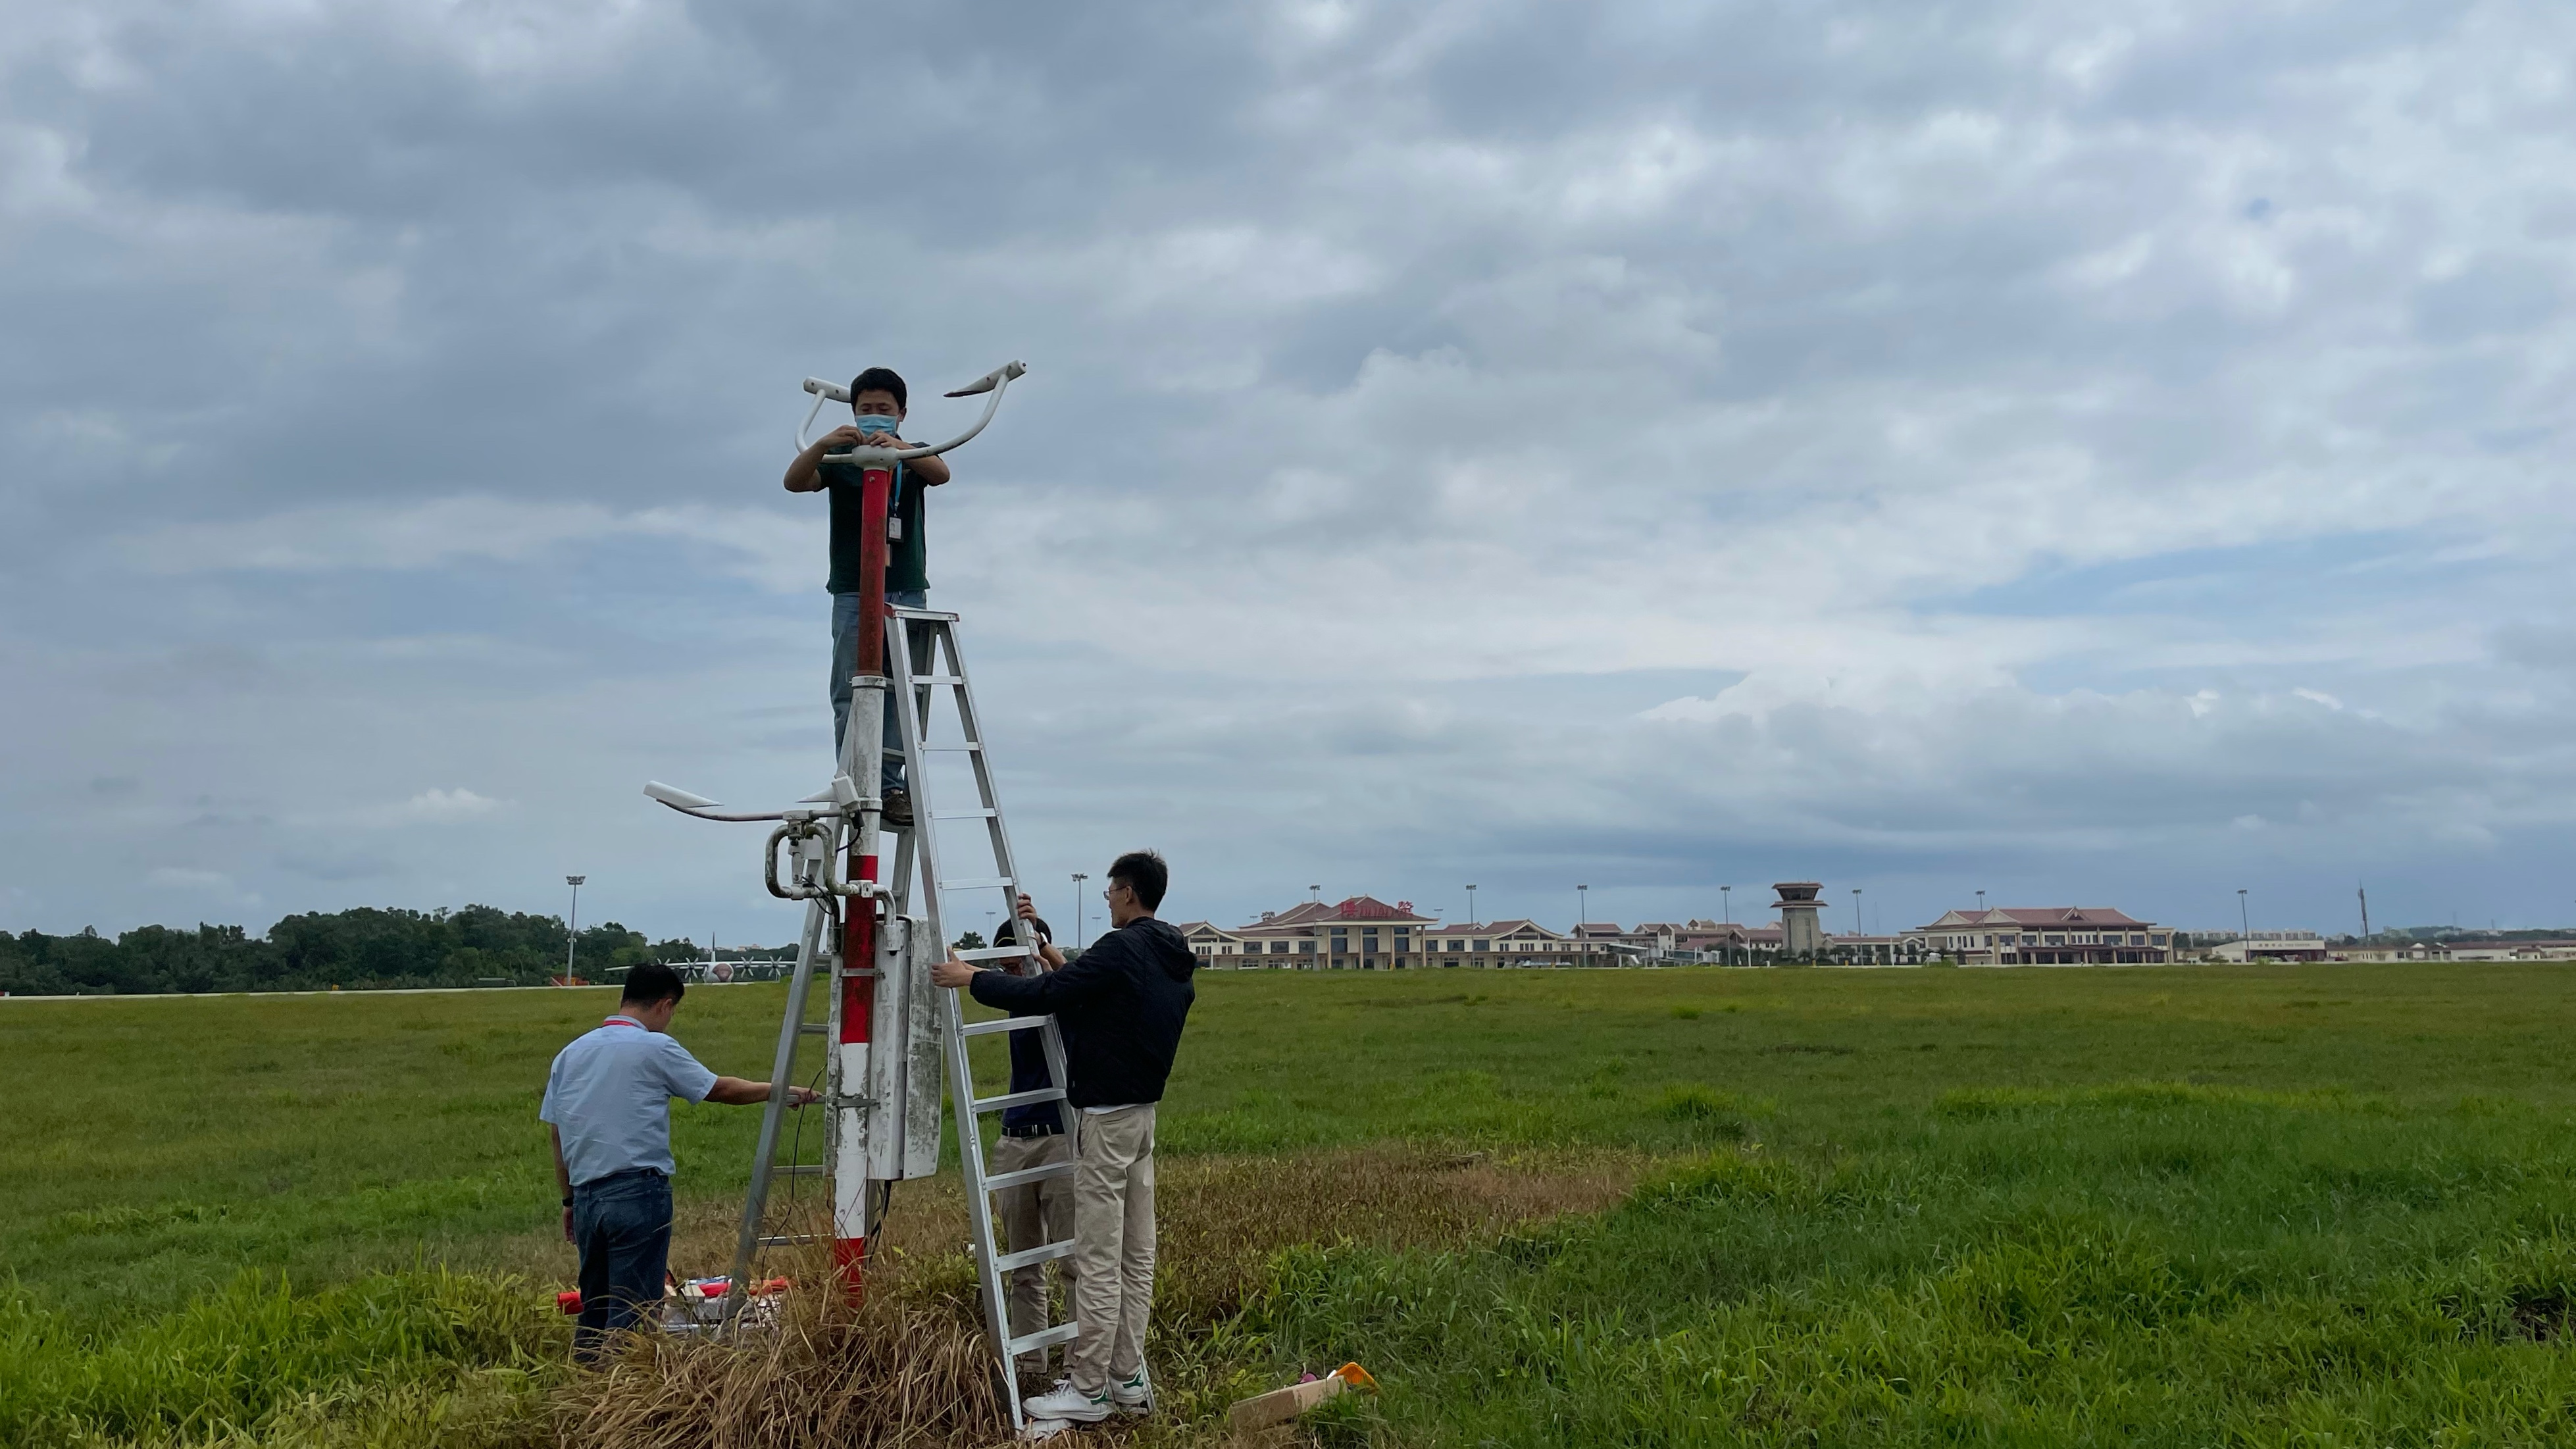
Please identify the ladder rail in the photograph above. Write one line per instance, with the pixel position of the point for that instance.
(918, 850)
(970, 723)
(914, 723)
(791, 1034)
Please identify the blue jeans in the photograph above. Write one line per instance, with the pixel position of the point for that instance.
(622, 1224)
(845, 662)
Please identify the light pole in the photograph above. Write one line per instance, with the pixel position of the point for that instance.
(1856, 930)
(1314, 895)
(1583, 922)
(1078, 904)
(1471, 908)
(1981, 905)
(572, 924)
(2244, 926)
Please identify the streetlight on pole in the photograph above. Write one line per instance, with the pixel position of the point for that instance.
(1314, 895)
(572, 924)
(1583, 922)
(1471, 907)
(2244, 925)
(1856, 930)
(1078, 904)
(1981, 903)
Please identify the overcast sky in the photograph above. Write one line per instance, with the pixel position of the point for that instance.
(2103, 454)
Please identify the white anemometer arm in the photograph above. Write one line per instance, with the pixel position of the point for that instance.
(994, 382)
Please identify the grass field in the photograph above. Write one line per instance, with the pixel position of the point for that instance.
(2320, 1205)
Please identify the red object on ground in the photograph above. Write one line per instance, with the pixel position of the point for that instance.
(849, 1265)
(568, 1301)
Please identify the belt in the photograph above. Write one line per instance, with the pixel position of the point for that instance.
(1033, 1129)
(605, 1179)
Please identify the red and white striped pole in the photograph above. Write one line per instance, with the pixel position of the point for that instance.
(851, 1227)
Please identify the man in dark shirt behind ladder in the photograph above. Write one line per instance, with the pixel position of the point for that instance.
(1033, 1136)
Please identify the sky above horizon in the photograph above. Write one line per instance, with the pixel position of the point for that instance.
(2106, 455)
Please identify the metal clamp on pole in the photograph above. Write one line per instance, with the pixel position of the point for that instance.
(802, 887)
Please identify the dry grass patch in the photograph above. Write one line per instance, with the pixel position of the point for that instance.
(909, 1367)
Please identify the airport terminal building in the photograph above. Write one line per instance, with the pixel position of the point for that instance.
(2044, 936)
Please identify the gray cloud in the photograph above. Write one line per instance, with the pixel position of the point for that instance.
(1664, 446)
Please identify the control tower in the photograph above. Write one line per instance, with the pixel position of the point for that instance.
(1801, 933)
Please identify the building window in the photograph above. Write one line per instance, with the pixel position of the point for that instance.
(1484, 945)
(1306, 947)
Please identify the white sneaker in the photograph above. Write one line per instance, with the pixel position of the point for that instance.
(1071, 1403)
(1135, 1395)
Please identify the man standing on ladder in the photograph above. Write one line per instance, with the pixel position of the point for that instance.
(1121, 1007)
(877, 398)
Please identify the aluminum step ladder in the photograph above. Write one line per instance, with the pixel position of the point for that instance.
(922, 666)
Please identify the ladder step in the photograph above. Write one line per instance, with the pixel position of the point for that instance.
(898, 611)
(813, 1028)
(977, 883)
(794, 1240)
(1019, 1099)
(992, 953)
(922, 679)
(1007, 1023)
(964, 814)
(947, 749)
(797, 1169)
(1043, 1338)
(1008, 1261)
(1005, 1181)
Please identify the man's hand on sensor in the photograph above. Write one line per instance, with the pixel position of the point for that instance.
(842, 438)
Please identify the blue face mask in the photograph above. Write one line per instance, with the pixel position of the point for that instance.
(873, 423)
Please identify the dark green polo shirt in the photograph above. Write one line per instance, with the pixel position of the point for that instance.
(906, 558)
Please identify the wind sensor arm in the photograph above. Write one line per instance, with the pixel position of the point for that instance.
(995, 382)
(698, 805)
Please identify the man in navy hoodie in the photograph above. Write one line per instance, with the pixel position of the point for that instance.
(1121, 1005)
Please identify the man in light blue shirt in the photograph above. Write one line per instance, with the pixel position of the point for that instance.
(608, 1100)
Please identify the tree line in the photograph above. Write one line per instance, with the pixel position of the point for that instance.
(355, 950)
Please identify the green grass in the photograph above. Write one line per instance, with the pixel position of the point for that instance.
(394, 1360)
(2315, 1205)
(2147, 1265)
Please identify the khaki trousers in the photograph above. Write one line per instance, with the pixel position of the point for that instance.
(1039, 1213)
(1113, 1233)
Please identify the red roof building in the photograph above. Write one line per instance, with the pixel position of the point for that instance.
(2045, 936)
